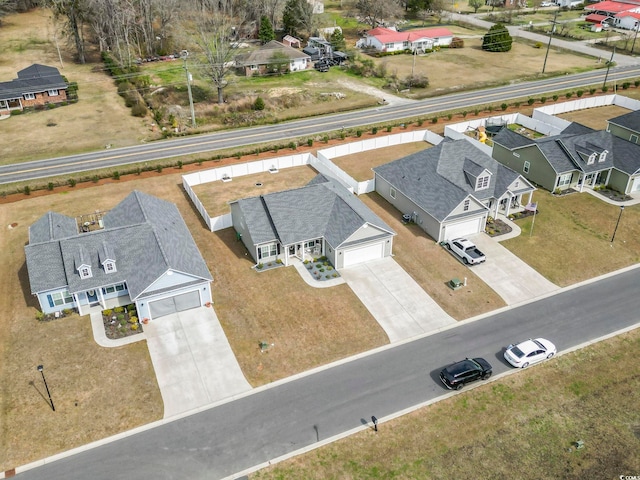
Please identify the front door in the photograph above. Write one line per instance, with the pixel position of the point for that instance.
(92, 296)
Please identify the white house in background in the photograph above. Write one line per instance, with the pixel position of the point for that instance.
(629, 20)
(388, 40)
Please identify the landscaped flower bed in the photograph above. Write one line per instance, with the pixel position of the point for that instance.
(321, 269)
(121, 322)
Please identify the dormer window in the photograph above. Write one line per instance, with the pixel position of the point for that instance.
(603, 156)
(592, 158)
(85, 271)
(482, 182)
(109, 266)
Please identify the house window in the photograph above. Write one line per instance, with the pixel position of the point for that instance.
(253, 67)
(564, 180)
(59, 298)
(392, 192)
(633, 138)
(85, 272)
(29, 96)
(109, 267)
(591, 159)
(466, 204)
(388, 45)
(482, 182)
(113, 288)
(603, 156)
(516, 185)
(53, 93)
(405, 44)
(525, 167)
(265, 251)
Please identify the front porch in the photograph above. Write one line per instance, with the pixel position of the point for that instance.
(104, 304)
(302, 251)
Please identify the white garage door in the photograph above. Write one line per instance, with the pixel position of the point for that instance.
(635, 186)
(363, 254)
(462, 229)
(179, 303)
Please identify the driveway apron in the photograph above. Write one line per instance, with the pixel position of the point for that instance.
(396, 301)
(193, 361)
(511, 278)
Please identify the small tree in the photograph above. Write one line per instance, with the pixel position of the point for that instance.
(258, 104)
(337, 40)
(476, 4)
(265, 33)
(497, 39)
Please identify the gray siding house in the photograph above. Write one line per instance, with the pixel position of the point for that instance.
(450, 190)
(320, 219)
(626, 126)
(143, 255)
(577, 158)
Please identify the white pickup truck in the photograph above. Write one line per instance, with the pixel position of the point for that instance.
(466, 250)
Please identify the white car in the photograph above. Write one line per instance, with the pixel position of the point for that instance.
(529, 352)
(547, 4)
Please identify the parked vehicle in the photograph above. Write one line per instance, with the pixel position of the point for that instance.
(457, 375)
(526, 353)
(466, 250)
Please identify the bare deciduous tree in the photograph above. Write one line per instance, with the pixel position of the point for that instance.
(376, 12)
(71, 13)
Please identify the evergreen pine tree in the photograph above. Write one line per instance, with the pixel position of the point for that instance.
(497, 39)
(265, 34)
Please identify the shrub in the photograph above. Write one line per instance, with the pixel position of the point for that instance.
(517, 104)
(27, 190)
(342, 135)
(139, 110)
(374, 130)
(420, 122)
(292, 145)
(636, 83)
(434, 120)
(118, 309)
(555, 98)
(358, 133)
(133, 319)
(107, 312)
(449, 116)
(579, 93)
(538, 45)
(131, 307)
(476, 112)
(310, 142)
(260, 266)
(116, 175)
(95, 179)
(134, 327)
(592, 91)
(159, 169)
(605, 88)
(325, 139)
(531, 101)
(504, 106)
(39, 315)
(389, 128)
(497, 39)
(72, 182)
(464, 114)
(626, 85)
(568, 95)
(50, 186)
(543, 99)
(180, 164)
(258, 104)
(456, 42)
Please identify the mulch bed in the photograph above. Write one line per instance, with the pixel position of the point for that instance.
(497, 227)
(120, 324)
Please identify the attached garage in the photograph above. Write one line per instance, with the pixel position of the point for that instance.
(177, 303)
(635, 186)
(462, 229)
(362, 254)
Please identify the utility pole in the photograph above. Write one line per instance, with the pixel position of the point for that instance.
(184, 54)
(553, 29)
(609, 63)
(635, 36)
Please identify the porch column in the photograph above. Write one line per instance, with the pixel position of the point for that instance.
(101, 298)
(608, 177)
(77, 302)
(583, 177)
(530, 197)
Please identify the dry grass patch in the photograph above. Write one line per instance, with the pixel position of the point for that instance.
(432, 266)
(525, 423)
(571, 239)
(99, 118)
(359, 165)
(595, 118)
(471, 67)
(216, 196)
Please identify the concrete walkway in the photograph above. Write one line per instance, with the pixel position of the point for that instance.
(397, 302)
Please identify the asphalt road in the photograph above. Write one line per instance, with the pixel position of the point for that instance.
(238, 436)
(307, 127)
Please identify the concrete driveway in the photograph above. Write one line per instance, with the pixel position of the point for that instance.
(397, 302)
(511, 278)
(193, 361)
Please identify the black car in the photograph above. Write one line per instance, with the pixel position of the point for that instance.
(457, 375)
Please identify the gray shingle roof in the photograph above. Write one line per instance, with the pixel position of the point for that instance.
(628, 120)
(319, 209)
(438, 179)
(34, 79)
(52, 226)
(145, 235)
(510, 139)
(576, 128)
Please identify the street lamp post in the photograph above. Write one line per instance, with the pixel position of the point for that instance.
(184, 54)
(617, 223)
(41, 370)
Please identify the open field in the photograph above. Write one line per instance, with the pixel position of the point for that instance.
(359, 165)
(521, 426)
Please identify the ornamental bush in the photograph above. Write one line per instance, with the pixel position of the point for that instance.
(497, 39)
